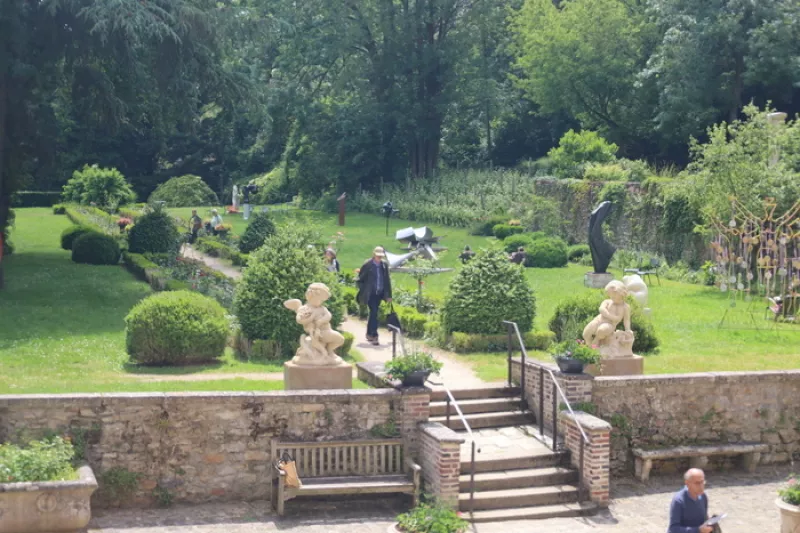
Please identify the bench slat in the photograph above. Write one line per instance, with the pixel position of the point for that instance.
(356, 485)
(696, 451)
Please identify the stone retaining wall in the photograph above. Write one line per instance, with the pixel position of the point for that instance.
(204, 446)
(720, 407)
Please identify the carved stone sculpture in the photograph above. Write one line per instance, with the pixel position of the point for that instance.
(601, 250)
(636, 288)
(602, 330)
(320, 340)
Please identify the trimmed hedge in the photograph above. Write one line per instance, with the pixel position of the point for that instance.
(71, 233)
(97, 219)
(344, 349)
(468, 343)
(175, 328)
(138, 264)
(577, 251)
(260, 228)
(59, 209)
(184, 191)
(486, 228)
(501, 231)
(35, 198)
(487, 291)
(547, 253)
(154, 232)
(94, 248)
(214, 248)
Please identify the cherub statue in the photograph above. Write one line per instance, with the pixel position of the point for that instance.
(320, 340)
(602, 330)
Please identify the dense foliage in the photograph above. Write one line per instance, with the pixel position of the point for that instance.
(417, 361)
(487, 291)
(184, 191)
(432, 518)
(94, 248)
(547, 253)
(176, 328)
(43, 460)
(103, 187)
(154, 232)
(257, 231)
(71, 233)
(282, 269)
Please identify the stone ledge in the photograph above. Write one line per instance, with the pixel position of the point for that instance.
(440, 432)
(586, 421)
(86, 480)
(551, 366)
(697, 377)
(698, 451)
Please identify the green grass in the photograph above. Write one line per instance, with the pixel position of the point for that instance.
(686, 317)
(63, 330)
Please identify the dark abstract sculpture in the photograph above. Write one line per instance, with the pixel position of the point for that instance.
(602, 250)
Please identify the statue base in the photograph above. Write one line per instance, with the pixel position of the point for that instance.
(300, 377)
(632, 365)
(597, 281)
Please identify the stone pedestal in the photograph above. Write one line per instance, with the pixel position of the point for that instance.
(597, 281)
(300, 377)
(618, 366)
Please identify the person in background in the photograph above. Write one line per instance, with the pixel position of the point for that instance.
(374, 285)
(331, 263)
(518, 257)
(195, 223)
(216, 220)
(689, 508)
(467, 255)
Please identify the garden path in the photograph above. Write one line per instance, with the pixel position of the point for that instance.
(454, 374)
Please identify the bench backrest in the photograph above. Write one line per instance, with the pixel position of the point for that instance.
(343, 458)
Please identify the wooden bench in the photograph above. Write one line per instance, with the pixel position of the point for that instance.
(750, 452)
(346, 467)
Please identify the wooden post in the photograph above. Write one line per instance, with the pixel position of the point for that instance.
(341, 208)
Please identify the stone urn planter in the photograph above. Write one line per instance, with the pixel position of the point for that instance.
(790, 516)
(568, 365)
(47, 506)
(416, 379)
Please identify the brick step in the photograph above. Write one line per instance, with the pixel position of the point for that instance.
(541, 459)
(484, 405)
(524, 497)
(533, 513)
(525, 477)
(476, 394)
(487, 420)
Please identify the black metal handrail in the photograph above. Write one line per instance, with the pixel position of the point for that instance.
(556, 392)
(450, 400)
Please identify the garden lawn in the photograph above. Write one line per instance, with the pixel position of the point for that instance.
(62, 327)
(686, 317)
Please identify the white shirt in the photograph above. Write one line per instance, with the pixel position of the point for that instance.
(216, 221)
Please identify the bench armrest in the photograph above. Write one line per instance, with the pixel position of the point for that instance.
(415, 470)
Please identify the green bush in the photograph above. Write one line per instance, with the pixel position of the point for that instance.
(44, 460)
(273, 187)
(501, 231)
(488, 290)
(344, 349)
(176, 328)
(537, 213)
(239, 259)
(432, 518)
(576, 149)
(71, 233)
(59, 209)
(486, 228)
(572, 315)
(576, 251)
(35, 198)
(469, 343)
(434, 333)
(94, 248)
(411, 321)
(184, 191)
(547, 253)
(154, 232)
(282, 269)
(105, 187)
(214, 248)
(350, 302)
(137, 264)
(417, 361)
(260, 227)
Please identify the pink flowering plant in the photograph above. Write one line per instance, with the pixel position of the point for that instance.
(576, 349)
(791, 494)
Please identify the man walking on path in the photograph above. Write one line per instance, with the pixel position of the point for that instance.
(689, 509)
(374, 285)
(196, 223)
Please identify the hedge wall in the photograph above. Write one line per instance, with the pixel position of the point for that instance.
(35, 198)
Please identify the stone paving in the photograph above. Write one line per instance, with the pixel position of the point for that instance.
(636, 508)
(502, 442)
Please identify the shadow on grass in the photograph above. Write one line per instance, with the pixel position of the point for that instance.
(135, 368)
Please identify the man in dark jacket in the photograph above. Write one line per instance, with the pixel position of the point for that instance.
(374, 285)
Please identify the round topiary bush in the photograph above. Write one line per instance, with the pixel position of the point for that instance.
(154, 232)
(488, 290)
(572, 315)
(501, 231)
(69, 235)
(547, 253)
(513, 242)
(95, 248)
(176, 328)
(184, 191)
(576, 251)
(260, 227)
(282, 269)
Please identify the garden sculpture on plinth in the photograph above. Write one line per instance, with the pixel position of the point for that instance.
(601, 250)
(602, 330)
(320, 340)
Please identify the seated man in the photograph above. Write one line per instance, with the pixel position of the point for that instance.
(216, 220)
(518, 257)
(467, 255)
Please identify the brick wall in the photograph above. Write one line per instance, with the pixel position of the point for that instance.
(720, 407)
(414, 408)
(596, 451)
(440, 459)
(205, 446)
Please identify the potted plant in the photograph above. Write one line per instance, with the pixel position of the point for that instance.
(573, 356)
(789, 504)
(41, 490)
(413, 368)
(430, 518)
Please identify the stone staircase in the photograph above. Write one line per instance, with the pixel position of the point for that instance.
(518, 484)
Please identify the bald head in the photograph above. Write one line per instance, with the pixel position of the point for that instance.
(695, 480)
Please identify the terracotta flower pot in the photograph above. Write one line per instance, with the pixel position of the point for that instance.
(790, 516)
